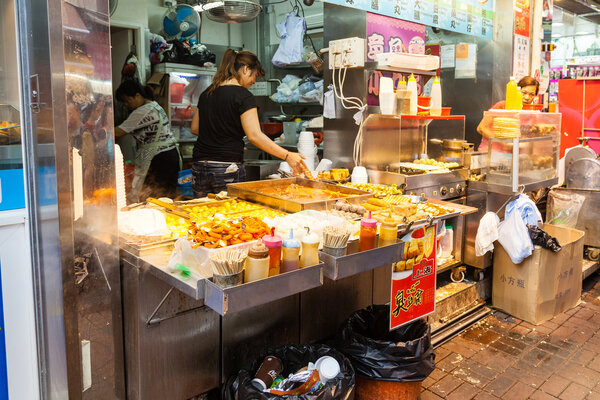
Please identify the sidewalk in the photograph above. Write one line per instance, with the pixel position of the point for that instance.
(504, 357)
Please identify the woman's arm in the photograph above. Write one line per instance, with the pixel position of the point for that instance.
(485, 127)
(252, 130)
(195, 128)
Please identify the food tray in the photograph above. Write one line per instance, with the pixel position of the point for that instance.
(352, 264)
(252, 191)
(242, 297)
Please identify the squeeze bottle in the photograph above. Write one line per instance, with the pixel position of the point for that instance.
(520, 98)
(291, 253)
(436, 98)
(368, 233)
(412, 89)
(257, 263)
(310, 250)
(512, 97)
(273, 243)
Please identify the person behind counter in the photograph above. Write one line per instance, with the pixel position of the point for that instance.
(529, 89)
(157, 160)
(227, 112)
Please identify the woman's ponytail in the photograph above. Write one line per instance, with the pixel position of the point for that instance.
(230, 65)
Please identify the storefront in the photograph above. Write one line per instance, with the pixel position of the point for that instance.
(108, 310)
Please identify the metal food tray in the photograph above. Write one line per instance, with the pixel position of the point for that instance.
(251, 191)
(352, 264)
(242, 297)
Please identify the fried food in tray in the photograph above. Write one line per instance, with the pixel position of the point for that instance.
(301, 193)
(403, 209)
(377, 190)
(222, 233)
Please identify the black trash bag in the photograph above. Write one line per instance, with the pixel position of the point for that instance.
(542, 238)
(294, 357)
(402, 355)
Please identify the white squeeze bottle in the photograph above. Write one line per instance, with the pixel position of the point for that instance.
(412, 89)
(436, 98)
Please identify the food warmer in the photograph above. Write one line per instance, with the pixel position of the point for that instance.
(522, 156)
(390, 145)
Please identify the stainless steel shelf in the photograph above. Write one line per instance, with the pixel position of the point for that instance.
(242, 297)
(525, 139)
(352, 264)
(386, 68)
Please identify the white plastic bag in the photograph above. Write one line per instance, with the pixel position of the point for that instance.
(329, 103)
(487, 233)
(563, 208)
(514, 237)
(291, 47)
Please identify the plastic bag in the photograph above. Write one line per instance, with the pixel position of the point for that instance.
(402, 355)
(329, 103)
(291, 47)
(184, 182)
(294, 357)
(527, 208)
(563, 208)
(540, 237)
(514, 237)
(487, 233)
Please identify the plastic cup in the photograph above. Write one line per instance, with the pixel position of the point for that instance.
(387, 102)
(386, 84)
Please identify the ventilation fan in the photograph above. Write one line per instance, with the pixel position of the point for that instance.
(181, 22)
(230, 11)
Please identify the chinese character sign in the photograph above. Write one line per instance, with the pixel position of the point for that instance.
(471, 17)
(390, 35)
(413, 278)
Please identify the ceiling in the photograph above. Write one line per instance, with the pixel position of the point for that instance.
(569, 23)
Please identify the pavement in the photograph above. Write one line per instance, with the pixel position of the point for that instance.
(502, 357)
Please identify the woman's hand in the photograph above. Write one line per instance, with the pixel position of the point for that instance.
(296, 162)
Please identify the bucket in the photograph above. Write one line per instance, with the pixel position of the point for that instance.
(367, 389)
(423, 103)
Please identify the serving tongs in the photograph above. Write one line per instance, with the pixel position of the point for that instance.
(170, 208)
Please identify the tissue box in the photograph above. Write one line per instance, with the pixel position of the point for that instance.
(409, 61)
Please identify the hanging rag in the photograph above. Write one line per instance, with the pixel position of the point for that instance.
(487, 233)
(291, 47)
(527, 209)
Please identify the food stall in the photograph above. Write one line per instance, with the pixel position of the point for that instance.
(164, 301)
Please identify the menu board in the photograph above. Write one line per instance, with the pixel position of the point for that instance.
(471, 17)
(413, 278)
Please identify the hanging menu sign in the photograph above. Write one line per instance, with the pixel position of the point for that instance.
(413, 278)
(471, 17)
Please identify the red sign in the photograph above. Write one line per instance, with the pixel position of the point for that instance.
(522, 17)
(413, 278)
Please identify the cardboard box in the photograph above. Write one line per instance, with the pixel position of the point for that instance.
(544, 284)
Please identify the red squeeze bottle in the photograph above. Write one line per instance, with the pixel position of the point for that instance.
(273, 243)
(368, 234)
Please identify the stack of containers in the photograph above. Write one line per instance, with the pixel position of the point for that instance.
(307, 147)
(120, 178)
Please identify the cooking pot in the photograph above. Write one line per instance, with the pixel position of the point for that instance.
(452, 149)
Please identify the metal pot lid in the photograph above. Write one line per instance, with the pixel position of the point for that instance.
(583, 174)
(578, 153)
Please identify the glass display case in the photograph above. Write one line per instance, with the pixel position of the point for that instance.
(388, 141)
(523, 147)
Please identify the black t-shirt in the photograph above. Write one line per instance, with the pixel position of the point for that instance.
(221, 136)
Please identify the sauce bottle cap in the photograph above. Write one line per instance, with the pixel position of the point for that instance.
(291, 241)
(272, 240)
(258, 250)
(369, 222)
(310, 237)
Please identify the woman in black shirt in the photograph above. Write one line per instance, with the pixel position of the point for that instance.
(227, 112)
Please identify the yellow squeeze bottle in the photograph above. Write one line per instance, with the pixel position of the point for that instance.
(520, 98)
(512, 95)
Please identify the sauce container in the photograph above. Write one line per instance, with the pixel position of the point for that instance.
(310, 249)
(291, 254)
(257, 263)
(388, 232)
(368, 233)
(273, 243)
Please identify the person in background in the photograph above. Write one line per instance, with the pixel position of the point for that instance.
(157, 160)
(227, 112)
(529, 89)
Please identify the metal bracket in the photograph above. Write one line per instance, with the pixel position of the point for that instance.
(150, 321)
(34, 94)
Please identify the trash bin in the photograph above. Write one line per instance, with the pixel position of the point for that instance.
(293, 357)
(389, 365)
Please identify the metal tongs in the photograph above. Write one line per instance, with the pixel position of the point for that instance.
(170, 208)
